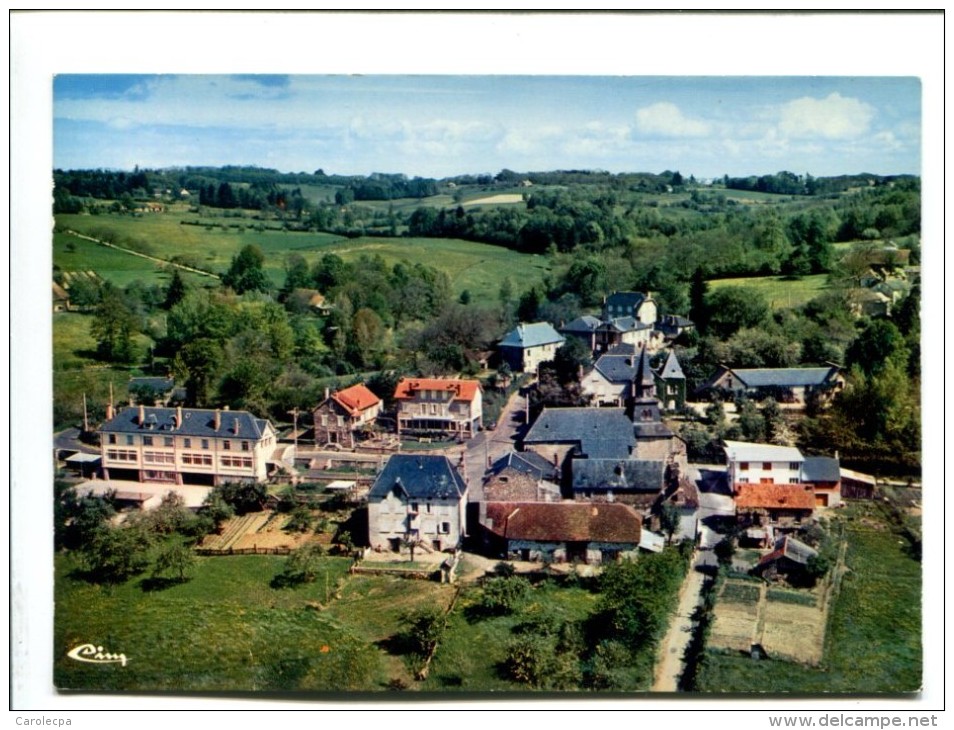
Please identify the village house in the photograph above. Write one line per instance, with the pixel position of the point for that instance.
(522, 477)
(751, 463)
(609, 382)
(417, 500)
(559, 532)
(824, 474)
(673, 325)
(786, 385)
(789, 558)
(773, 506)
(61, 298)
(637, 305)
(528, 345)
(444, 406)
(186, 446)
(344, 413)
(627, 318)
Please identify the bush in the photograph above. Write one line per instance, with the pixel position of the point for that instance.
(501, 596)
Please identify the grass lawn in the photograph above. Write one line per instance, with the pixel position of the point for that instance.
(470, 656)
(225, 629)
(874, 635)
(779, 291)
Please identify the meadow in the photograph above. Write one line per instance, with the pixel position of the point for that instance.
(781, 292)
(210, 243)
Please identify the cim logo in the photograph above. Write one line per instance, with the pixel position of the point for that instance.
(92, 654)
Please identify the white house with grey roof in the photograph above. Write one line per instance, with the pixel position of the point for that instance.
(186, 446)
(753, 463)
(420, 500)
(528, 345)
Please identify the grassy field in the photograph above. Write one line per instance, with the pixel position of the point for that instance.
(874, 635)
(226, 629)
(476, 267)
(779, 291)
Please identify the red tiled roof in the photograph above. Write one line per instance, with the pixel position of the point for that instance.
(356, 399)
(774, 496)
(462, 389)
(565, 521)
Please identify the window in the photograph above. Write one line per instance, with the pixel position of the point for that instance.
(147, 440)
(427, 507)
(167, 441)
(245, 446)
(766, 466)
(130, 441)
(445, 528)
(743, 480)
(112, 438)
(187, 443)
(227, 445)
(793, 480)
(794, 466)
(415, 507)
(205, 443)
(766, 480)
(743, 466)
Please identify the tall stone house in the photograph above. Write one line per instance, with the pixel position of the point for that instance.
(420, 500)
(342, 414)
(526, 346)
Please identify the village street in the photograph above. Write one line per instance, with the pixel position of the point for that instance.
(488, 446)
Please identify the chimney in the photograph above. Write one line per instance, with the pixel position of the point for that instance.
(327, 393)
(142, 415)
(225, 407)
(178, 417)
(236, 424)
(218, 419)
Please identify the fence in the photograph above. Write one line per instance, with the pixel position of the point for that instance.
(244, 551)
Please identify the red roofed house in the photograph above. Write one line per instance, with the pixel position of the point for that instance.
(344, 412)
(439, 406)
(774, 505)
(560, 531)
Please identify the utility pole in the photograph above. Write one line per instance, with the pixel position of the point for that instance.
(294, 414)
(85, 416)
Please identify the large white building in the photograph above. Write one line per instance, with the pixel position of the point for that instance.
(186, 446)
(750, 463)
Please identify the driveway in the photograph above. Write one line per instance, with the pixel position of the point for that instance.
(669, 661)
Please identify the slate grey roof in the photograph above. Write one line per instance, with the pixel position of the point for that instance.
(195, 422)
(616, 368)
(585, 324)
(652, 429)
(600, 432)
(618, 474)
(820, 469)
(420, 477)
(535, 334)
(783, 377)
(644, 372)
(527, 462)
(626, 299)
(672, 369)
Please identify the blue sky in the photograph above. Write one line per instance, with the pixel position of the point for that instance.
(438, 126)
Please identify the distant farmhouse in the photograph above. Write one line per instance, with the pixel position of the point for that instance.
(418, 500)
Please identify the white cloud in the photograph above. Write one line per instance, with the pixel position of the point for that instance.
(664, 118)
(834, 117)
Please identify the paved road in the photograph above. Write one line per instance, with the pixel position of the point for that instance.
(669, 662)
(488, 446)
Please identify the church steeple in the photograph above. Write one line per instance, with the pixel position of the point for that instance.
(644, 383)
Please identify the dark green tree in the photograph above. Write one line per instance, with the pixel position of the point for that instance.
(732, 308)
(114, 326)
(175, 559)
(246, 272)
(176, 291)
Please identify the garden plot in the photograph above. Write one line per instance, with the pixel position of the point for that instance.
(793, 629)
(736, 616)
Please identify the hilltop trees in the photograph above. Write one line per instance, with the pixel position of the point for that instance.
(247, 272)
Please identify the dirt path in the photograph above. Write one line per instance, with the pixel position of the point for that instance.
(144, 256)
(669, 661)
